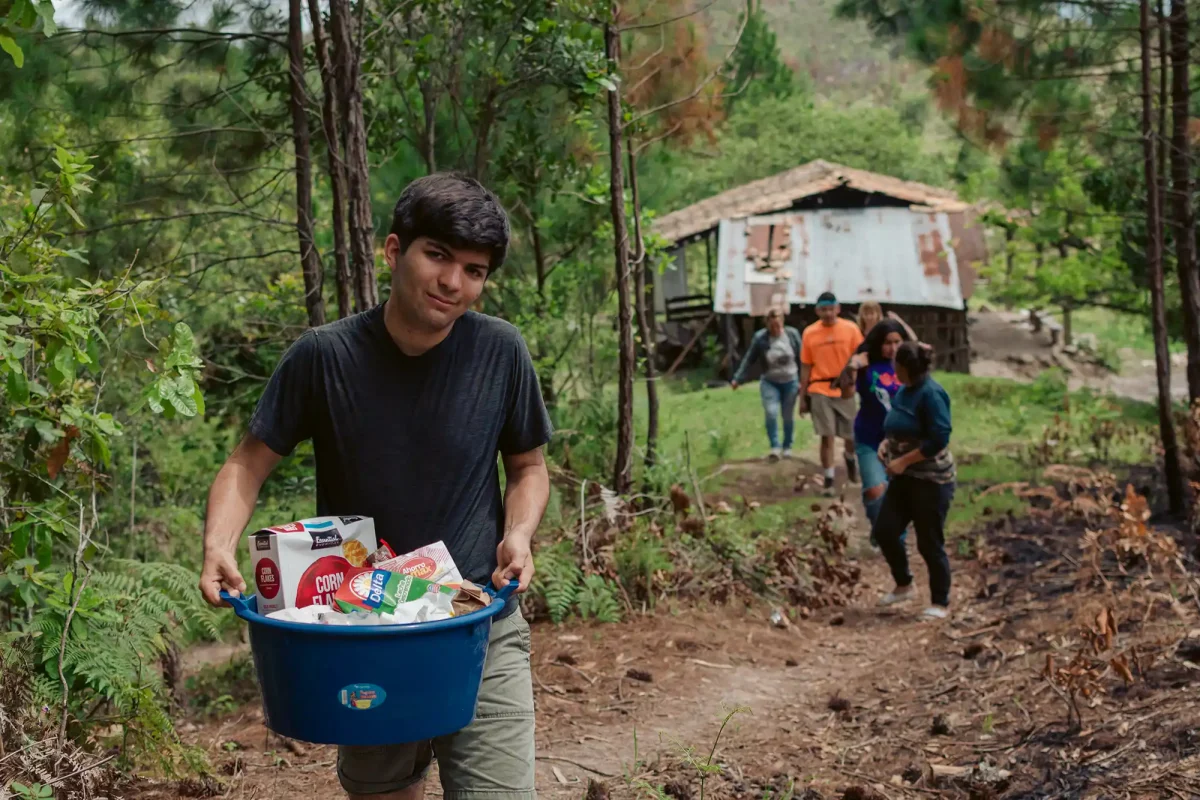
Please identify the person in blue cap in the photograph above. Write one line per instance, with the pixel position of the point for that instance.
(827, 345)
(778, 347)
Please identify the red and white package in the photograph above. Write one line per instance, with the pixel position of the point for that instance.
(303, 563)
(430, 563)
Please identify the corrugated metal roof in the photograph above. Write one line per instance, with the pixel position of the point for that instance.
(887, 254)
(779, 192)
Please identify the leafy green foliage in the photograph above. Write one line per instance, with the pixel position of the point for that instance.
(559, 579)
(598, 599)
(97, 624)
(220, 688)
(24, 16)
(642, 564)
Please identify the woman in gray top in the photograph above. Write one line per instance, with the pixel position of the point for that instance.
(779, 346)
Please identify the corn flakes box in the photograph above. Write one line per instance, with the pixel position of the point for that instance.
(304, 563)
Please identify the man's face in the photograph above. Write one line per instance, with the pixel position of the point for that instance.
(829, 314)
(434, 283)
(775, 325)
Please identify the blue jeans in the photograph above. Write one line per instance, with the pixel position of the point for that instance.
(779, 398)
(873, 473)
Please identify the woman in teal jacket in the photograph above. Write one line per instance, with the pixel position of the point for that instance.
(916, 450)
(779, 347)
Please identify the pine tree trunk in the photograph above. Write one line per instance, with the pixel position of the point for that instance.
(644, 301)
(1181, 186)
(1154, 250)
(330, 113)
(310, 259)
(347, 59)
(626, 358)
(546, 377)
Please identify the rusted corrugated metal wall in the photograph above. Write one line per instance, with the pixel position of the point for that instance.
(890, 255)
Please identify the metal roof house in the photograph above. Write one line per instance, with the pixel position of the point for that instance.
(819, 227)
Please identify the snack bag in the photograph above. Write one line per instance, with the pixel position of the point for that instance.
(303, 563)
(390, 593)
(382, 554)
(470, 597)
(429, 563)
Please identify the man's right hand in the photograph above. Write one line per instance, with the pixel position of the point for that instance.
(220, 571)
(733, 385)
(802, 405)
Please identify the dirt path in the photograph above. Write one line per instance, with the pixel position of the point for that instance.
(853, 702)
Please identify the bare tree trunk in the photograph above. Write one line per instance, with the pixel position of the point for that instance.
(347, 54)
(330, 112)
(1162, 356)
(546, 378)
(645, 312)
(429, 136)
(1181, 180)
(310, 259)
(626, 357)
(1162, 141)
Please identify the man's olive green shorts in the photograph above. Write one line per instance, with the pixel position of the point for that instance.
(832, 416)
(493, 757)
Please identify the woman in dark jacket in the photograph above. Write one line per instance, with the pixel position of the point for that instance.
(778, 346)
(916, 450)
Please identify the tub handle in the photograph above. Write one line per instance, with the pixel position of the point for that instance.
(503, 594)
(239, 604)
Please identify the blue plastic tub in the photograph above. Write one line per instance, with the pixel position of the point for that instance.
(369, 685)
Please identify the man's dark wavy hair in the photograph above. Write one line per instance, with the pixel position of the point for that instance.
(456, 210)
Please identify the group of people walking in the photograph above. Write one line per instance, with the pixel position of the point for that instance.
(896, 438)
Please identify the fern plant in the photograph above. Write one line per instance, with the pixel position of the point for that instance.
(640, 559)
(597, 599)
(558, 578)
(124, 620)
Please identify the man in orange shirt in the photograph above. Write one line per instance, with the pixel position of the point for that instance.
(825, 348)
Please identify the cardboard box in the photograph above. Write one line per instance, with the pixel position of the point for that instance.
(303, 563)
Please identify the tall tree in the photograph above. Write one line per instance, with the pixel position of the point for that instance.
(1184, 216)
(347, 35)
(627, 357)
(330, 121)
(1154, 251)
(643, 294)
(310, 259)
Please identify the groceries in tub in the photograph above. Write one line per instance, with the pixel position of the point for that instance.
(405, 598)
(429, 563)
(303, 563)
(382, 588)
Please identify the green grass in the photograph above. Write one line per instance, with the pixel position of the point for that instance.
(994, 420)
(1119, 330)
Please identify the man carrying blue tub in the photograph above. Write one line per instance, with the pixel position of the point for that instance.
(408, 405)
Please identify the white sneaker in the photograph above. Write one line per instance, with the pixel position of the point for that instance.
(936, 612)
(898, 596)
(773, 456)
(787, 452)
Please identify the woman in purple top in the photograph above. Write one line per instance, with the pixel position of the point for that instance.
(871, 373)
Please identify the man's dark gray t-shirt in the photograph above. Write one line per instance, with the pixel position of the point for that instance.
(410, 441)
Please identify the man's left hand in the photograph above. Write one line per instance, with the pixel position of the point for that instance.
(514, 560)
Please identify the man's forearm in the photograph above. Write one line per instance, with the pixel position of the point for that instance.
(525, 499)
(805, 374)
(230, 505)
